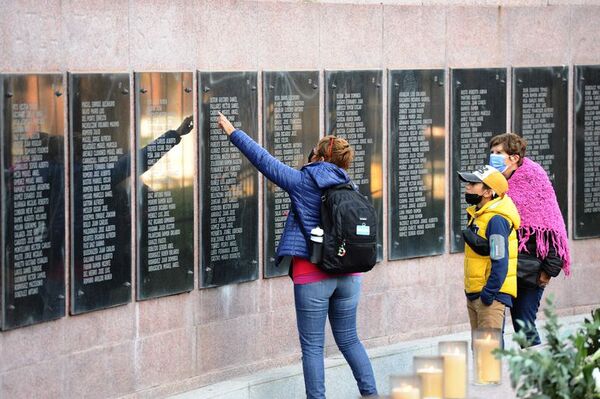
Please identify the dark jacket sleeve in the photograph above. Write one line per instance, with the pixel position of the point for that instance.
(121, 170)
(279, 173)
(497, 226)
(161, 145)
(553, 264)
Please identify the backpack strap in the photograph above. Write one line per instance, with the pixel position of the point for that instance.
(305, 233)
(348, 186)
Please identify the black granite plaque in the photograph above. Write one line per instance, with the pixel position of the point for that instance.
(540, 109)
(291, 119)
(478, 113)
(165, 186)
(354, 111)
(587, 152)
(229, 182)
(33, 199)
(416, 163)
(100, 180)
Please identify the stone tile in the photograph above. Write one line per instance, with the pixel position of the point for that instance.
(413, 37)
(96, 35)
(474, 37)
(40, 380)
(33, 344)
(487, 3)
(282, 46)
(414, 309)
(377, 280)
(573, 2)
(31, 36)
(224, 344)
(457, 304)
(227, 302)
(165, 358)
(584, 252)
(585, 23)
(350, 36)
(160, 36)
(578, 290)
(453, 268)
(525, 3)
(422, 272)
(100, 328)
(372, 319)
(276, 293)
(537, 35)
(164, 314)
(227, 35)
(278, 335)
(102, 372)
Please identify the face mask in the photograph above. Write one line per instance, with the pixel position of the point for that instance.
(498, 161)
(473, 199)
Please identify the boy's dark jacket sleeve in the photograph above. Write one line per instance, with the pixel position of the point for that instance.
(497, 225)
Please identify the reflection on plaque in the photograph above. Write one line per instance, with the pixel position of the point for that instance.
(354, 111)
(291, 118)
(100, 209)
(540, 106)
(33, 200)
(587, 152)
(416, 163)
(229, 182)
(165, 184)
(478, 113)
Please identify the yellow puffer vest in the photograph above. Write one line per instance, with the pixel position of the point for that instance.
(477, 267)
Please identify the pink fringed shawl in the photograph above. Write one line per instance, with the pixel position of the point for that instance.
(531, 191)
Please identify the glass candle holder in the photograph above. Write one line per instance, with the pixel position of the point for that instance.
(405, 387)
(487, 368)
(456, 375)
(430, 370)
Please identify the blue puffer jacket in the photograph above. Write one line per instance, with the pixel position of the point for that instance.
(304, 187)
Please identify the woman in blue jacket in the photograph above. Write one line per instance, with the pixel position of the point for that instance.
(316, 293)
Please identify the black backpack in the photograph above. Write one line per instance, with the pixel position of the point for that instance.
(349, 221)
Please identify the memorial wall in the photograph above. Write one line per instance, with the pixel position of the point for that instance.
(229, 183)
(165, 184)
(33, 199)
(139, 255)
(100, 161)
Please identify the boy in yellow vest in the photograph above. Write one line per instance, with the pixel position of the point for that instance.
(491, 247)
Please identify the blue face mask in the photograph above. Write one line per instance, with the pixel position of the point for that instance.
(498, 161)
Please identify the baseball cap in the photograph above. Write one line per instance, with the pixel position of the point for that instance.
(488, 175)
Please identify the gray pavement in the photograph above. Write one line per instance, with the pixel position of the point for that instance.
(287, 382)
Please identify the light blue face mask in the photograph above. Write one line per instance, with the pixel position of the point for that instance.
(498, 161)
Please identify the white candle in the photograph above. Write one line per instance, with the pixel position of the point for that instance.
(455, 375)
(432, 382)
(488, 367)
(406, 392)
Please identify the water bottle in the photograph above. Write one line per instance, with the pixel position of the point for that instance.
(316, 240)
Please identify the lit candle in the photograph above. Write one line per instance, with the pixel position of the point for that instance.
(455, 375)
(488, 367)
(432, 382)
(406, 392)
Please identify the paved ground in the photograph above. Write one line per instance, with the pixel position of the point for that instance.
(287, 382)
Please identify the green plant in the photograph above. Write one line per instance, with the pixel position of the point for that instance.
(568, 367)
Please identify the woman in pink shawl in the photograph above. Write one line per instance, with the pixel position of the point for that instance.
(543, 243)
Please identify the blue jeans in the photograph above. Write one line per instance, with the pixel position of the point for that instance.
(338, 298)
(525, 308)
